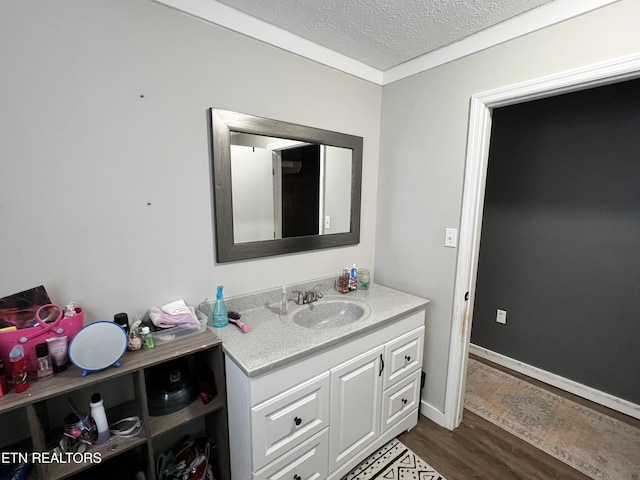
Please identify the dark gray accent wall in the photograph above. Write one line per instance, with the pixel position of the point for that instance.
(560, 245)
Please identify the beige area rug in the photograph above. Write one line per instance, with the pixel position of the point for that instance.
(595, 444)
(394, 461)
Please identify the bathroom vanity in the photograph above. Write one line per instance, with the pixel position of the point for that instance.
(311, 401)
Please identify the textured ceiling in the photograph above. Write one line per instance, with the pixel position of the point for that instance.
(383, 33)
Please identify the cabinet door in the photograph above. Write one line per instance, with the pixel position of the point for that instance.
(281, 423)
(403, 355)
(307, 461)
(356, 389)
(400, 400)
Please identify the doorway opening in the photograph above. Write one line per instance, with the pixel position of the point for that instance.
(481, 107)
(301, 191)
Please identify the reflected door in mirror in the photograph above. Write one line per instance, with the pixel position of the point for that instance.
(283, 189)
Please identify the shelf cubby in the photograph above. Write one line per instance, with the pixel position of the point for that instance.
(34, 405)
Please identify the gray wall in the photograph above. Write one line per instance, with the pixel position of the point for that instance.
(105, 193)
(560, 248)
(424, 131)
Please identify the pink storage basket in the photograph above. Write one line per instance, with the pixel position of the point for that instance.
(32, 336)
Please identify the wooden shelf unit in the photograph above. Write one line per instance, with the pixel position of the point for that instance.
(205, 345)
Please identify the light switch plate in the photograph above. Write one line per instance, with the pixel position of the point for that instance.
(451, 237)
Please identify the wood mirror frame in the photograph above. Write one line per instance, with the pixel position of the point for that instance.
(222, 123)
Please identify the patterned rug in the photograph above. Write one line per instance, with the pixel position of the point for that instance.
(599, 446)
(394, 461)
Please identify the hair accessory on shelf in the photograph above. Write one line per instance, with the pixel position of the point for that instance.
(128, 430)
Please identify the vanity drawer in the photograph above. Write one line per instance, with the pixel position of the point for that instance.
(286, 420)
(399, 400)
(403, 355)
(307, 461)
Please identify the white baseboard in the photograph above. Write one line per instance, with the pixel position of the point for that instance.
(433, 414)
(591, 394)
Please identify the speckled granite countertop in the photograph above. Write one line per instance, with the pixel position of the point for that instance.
(276, 340)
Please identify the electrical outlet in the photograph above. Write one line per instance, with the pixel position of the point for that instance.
(501, 316)
(327, 222)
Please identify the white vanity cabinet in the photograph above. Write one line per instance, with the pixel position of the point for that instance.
(286, 420)
(320, 415)
(356, 387)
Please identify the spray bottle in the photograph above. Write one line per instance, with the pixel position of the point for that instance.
(220, 316)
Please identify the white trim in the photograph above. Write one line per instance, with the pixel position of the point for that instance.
(431, 413)
(467, 262)
(536, 19)
(584, 391)
(620, 69)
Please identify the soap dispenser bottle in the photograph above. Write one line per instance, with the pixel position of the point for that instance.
(284, 306)
(220, 315)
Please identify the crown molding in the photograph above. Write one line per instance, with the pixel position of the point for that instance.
(536, 19)
(232, 19)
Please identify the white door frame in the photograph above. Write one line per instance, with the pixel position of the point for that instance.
(624, 68)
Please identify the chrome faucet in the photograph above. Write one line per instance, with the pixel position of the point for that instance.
(309, 296)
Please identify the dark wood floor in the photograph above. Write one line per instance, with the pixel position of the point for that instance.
(480, 450)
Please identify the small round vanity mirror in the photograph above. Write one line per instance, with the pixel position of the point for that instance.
(98, 346)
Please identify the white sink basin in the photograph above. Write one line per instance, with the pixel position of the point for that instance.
(327, 313)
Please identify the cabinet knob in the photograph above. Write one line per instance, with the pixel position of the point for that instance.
(297, 421)
(297, 477)
(404, 401)
(407, 358)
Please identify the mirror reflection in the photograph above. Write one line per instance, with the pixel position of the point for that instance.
(280, 187)
(288, 188)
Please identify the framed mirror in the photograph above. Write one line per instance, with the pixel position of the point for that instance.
(282, 188)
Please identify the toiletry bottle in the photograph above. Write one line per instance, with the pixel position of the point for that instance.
(220, 318)
(122, 319)
(100, 417)
(135, 342)
(147, 338)
(344, 280)
(4, 387)
(45, 366)
(284, 305)
(58, 347)
(353, 278)
(18, 368)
